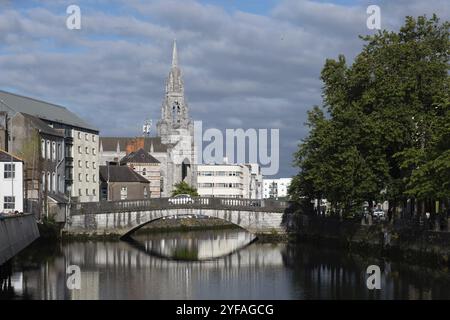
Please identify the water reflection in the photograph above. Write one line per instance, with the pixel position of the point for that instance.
(120, 270)
(193, 246)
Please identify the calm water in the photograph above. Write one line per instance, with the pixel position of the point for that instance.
(209, 265)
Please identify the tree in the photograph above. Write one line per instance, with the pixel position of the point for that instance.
(383, 128)
(183, 188)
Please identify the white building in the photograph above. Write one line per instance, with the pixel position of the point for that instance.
(276, 188)
(11, 183)
(229, 181)
(85, 148)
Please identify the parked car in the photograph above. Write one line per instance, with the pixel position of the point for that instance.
(181, 199)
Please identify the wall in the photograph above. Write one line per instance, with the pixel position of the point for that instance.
(135, 190)
(16, 233)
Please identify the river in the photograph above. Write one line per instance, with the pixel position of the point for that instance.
(218, 264)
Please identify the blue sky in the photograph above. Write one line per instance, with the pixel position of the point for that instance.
(246, 63)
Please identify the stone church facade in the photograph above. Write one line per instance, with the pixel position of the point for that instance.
(174, 145)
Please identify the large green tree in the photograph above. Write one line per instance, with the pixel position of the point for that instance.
(383, 130)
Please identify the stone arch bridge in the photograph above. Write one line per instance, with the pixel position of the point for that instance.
(122, 218)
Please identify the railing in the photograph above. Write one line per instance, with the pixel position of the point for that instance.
(265, 205)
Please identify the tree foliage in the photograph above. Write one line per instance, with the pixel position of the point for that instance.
(183, 188)
(383, 131)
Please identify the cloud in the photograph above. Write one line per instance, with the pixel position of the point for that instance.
(240, 69)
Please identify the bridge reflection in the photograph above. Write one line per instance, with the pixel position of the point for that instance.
(192, 246)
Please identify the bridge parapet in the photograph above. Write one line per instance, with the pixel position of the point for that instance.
(265, 205)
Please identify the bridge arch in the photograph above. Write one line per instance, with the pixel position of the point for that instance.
(124, 218)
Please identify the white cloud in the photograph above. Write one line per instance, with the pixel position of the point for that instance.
(240, 69)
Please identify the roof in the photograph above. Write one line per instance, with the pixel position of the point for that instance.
(42, 126)
(7, 157)
(120, 174)
(110, 143)
(43, 110)
(140, 156)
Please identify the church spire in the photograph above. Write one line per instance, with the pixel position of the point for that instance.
(174, 54)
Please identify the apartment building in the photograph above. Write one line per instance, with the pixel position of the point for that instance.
(229, 181)
(78, 169)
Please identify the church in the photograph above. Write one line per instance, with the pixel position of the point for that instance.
(173, 146)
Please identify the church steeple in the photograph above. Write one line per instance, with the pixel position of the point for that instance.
(174, 54)
(174, 110)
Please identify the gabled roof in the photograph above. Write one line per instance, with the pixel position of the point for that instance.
(43, 110)
(140, 156)
(109, 144)
(8, 157)
(120, 174)
(41, 125)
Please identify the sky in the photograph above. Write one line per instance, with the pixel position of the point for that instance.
(246, 63)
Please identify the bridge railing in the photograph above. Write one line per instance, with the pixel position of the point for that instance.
(267, 205)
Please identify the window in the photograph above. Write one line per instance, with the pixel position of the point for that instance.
(43, 148)
(93, 178)
(58, 181)
(87, 178)
(87, 164)
(9, 171)
(87, 192)
(43, 181)
(123, 193)
(79, 135)
(49, 182)
(86, 137)
(79, 177)
(94, 165)
(79, 192)
(93, 138)
(143, 172)
(60, 155)
(54, 151)
(48, 150)
(9, 202)
(145, 193)
(93, 151)
(87, 150)
(93, 192)
(54, 182)
(79, 149)
(79, 163)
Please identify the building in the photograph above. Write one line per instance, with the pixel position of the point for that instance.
(11, 183)
(147, 166)
(122, 183)
(174, 145)
(256, 181)
(276, 188)
(81, 156)
(229, 181)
